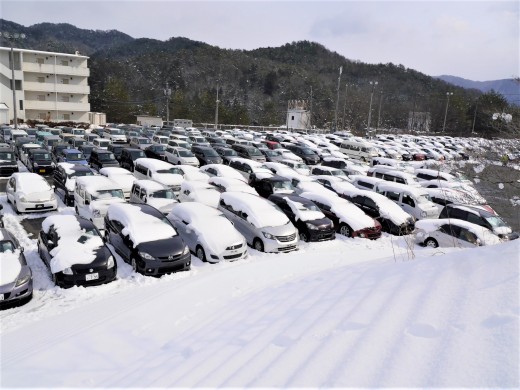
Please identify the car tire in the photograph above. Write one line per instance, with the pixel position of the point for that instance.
(345, 230)
(199, 252)
(431, 243)
(304, 236)
(258, 245)
(76, 209)
(15, 207)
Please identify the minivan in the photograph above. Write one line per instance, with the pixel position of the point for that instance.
(358, 149)
(159, 171)
(101, 158)
(390, 174)
(155, 194)
(248, 151)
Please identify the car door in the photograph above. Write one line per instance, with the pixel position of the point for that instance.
(10, 189)
(118, 239)
(447, 235)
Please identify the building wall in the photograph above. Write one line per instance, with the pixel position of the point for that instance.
(49, 86)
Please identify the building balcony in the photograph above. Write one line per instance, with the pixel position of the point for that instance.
(55, 106)
(61, 88)
(56, 69)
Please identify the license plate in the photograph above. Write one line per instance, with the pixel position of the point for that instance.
(2, 297)
(39, 206)
(42, 170)
(89, 277)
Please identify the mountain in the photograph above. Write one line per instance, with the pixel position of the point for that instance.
(128, 77)
(509, 88)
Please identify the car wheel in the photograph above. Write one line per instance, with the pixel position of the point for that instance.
(15, 206)
(345, 230)
(258, 245)
(54, 279)
(304, 237)
(76, 208)
(199, 252)
(133, 263)
(431, 243)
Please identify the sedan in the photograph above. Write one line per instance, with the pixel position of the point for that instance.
(74, 252)
(208, 233)
(16, 283)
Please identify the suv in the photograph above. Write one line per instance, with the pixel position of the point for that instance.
(128, 157)
(206, 155)
(101, 158)
(8, 164)
(248, 151)
(305, 153)
(116, 149)
(479, 216)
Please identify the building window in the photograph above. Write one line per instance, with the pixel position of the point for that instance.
(292, 117)
(65, 81)
(40, 97)
(40, 61)
(41, 79)
(18, 85)
(42, 116)
(66, 117)
(20, 104)
(64, 98)
(65, 63)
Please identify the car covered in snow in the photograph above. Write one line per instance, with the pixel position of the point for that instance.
(224, 184)
(208, 233)
(198, 191)
(452, 232)
(263, 225)
(155, 194)
(29, 192)
(16, 282)
(180, 156)
(221, 170)
(146, 239)
(159, 171)
(121, 176)
(64, 179)
(74, 252)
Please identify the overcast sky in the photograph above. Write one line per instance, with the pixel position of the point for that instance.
(477, 40)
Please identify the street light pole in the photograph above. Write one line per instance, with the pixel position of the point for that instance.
(11, 38)
(373, 84)
(167, 93)
(337, 100)
(344, 107)
(448, 94)
(379, 112)
(216, 107)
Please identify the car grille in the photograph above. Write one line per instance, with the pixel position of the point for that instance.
(39, 208)
(230, 257)
(229, 248)
(172, 268)
(169, 258)
(286, 238)
(287, 248)
(175, 188)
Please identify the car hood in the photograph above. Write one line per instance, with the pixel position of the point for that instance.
(163, 205)
(163, 248)
(102, 204)
(168, 179)
(38, 196)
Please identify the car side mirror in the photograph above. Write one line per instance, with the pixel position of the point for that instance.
(50, 243)
(87, 202)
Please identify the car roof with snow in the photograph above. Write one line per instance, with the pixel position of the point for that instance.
(153, 164)
(96, 183)
(150, 185)
(28, 181)
(110, 171)
(260, 212)
(398, 187)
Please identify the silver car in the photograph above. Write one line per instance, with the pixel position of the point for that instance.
(264, 226)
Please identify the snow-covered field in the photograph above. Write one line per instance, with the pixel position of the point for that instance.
(346, 313)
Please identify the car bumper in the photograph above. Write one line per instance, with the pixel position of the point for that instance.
(79, 278)
(8, 170)
(321, 235)
(10, 294)
(36, 207)
(276, 246)
(164, 266)
(228, 255)
(370, 233)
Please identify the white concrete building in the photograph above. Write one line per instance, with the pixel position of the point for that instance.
(298, 116)
(49, 86)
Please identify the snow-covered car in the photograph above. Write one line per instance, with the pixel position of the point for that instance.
(180, 156)
(115, 135)
(415, 201)
(191, 173)
(263, 225)
(146, 239)
(159, 171)
(93, 195)
(201, 192)
(208, 233)
(121, 176)
(155, 194)
(16, 282)
(247, 167)
(29, 192)
(222, 170)
(349, 219)
(224, 184)
(289, 155)
(74, 252)
(64, 179)
(298, 166)
(451, 232)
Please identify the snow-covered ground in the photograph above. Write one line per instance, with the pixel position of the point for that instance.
(345, 313)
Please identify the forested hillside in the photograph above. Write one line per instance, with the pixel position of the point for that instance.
(128, 78)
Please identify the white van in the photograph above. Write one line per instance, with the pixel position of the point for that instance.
(101, 143)
(159, 171)
(155, 194)
(415, 201)
(396, 164)
(93, 195)
(115, 135)
(360, 150)
(390, 174)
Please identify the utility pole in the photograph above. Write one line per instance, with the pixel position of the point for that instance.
(337, 100)
(310, 114)
(167, 93)
(216, 105)
(373, 84)
(379, 112)
(11, 38)
(448, 94)
(474, 118)
(345, 107)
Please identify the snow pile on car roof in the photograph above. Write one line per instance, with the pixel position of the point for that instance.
(31, 182)
(303, 213)
(260, 212)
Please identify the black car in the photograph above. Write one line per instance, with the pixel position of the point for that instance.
(311, 223)
(8, 164)
(18, 287)
(117, 149)
(271, 155)
(40, 161)
(248, 151)
(58, 148)
(146, 239)
(267, 185)
(102, 158)
(479, 216)
(128, 157)
(226, 153)
(308, 156)
(156, 151)
(87, 149)
(215, 140)
(74, 252)
(65, 178)
(206, 155)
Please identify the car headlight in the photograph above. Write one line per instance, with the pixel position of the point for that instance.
(331, 225)
(146, 256)
(110, 262)
(53, 197)
(310, 226)
(96, 214)
(186, 250)
(67, 271)
(24, 279)
(424, 214)
(35, 165)
(269, 236)
(22, 198)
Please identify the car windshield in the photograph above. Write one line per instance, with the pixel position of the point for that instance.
(88, 233)
(107, 194)
(283, 185)
(6, 156)
(163, 194)
(338, 173)
(80, 174)
(424, 198)
(144, 141)
(74, 156)
(255, 152)
(106, 157)
(496, 222)
(159, 148)
(117, 132)
(42, 156)
(210, 153)
(307, 151)
(6, 246)
(137, 154)
(229, 152)
(78, 132)
(185, 153)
